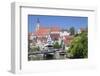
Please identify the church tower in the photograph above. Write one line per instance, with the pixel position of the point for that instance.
(37, 25)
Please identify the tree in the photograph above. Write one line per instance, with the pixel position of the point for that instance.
(79, 46)
(35, 48)
(56, 45)
(72, 31)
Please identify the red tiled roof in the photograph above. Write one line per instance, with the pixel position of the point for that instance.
(45, 31)
(42, 31)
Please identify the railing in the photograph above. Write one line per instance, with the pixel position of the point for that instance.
(41, 52)
(45, 52)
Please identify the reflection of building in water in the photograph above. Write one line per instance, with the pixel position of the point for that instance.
(48, 35)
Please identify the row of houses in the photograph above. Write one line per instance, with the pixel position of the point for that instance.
(43, 36)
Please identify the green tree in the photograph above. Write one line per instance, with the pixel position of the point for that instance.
(56, 45)
(79, 46)
(72, 31)
(35, 48)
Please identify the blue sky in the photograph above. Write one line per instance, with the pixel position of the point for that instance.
(64, 22)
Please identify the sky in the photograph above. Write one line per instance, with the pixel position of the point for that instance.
(63, 22)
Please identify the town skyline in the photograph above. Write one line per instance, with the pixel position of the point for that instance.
(63, 22)
(57, 37)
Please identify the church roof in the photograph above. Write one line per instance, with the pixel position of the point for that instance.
(42, 31)
(55, 29)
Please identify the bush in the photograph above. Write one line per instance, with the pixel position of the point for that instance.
(35, 48)
(56, 45)
(79, 46)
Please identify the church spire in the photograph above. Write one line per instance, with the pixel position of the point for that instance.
(37, 24)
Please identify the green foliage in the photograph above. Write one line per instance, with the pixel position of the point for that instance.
(79, 46)
(56, 45)
(72, 31)
(35, 48)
